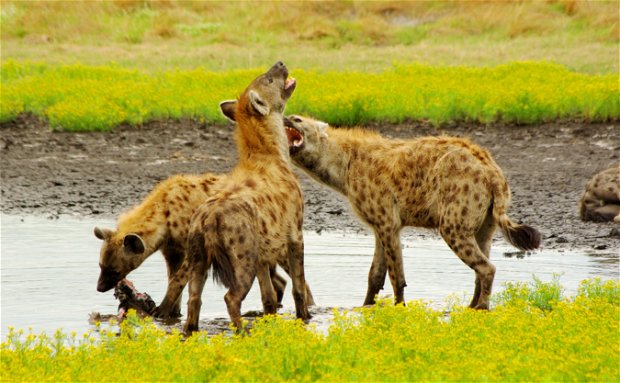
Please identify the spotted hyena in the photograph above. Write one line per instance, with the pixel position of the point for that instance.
(443, 183)
(601, 200)
(255, 219)
(159, 222)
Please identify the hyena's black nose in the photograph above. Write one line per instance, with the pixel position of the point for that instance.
(279, 69)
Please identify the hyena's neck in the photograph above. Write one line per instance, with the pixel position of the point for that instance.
(259, 138)
(328, 165)
(147, 222)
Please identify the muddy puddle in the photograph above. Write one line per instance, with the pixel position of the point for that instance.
(49, 270)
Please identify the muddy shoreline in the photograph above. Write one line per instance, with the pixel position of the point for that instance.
(98, 174)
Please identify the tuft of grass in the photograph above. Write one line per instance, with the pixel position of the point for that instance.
(81, 98)
(539, 294)
(576, 340)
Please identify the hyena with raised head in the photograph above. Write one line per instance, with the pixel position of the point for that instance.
(159, 222)
(255, 219)
(443, 183)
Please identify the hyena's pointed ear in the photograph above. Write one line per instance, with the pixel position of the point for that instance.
(229, 108)
(103, 234)
(322, 128)
(258, 104)
(134, 243)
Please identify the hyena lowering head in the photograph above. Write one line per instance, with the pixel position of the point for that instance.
(159, 222)
(254, 221)
(601, 200)
(445, 183)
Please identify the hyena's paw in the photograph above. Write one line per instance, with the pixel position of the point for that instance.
(165, 311)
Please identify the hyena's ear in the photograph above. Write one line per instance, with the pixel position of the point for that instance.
(229, 108)
(134, 243)
(258, 104)
(322, 128)
(103, 234)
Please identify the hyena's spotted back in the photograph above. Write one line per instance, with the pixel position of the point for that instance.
(445, 183)
(159, 222)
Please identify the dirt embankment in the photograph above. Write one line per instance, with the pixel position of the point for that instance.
(102, 174)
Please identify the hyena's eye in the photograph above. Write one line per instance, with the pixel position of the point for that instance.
(270, 79)
(297, 119)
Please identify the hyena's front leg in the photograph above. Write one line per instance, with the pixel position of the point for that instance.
(392, 253)
(296, 272)
(169, 305)
(376, 276)
(174, 260)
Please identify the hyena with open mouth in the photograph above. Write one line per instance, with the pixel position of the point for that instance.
(443, 183)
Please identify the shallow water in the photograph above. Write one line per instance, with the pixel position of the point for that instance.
(49, 271)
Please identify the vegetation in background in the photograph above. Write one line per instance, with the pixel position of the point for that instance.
(335, 35)
(573, 339)
(84, 98)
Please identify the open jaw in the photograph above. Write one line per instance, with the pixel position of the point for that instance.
(295, 138)
(289, 86)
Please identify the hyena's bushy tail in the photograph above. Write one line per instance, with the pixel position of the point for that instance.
(523, 237)
(207, 244)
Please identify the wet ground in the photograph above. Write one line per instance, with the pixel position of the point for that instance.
(102, 174)
(56, 186)
(49, 273)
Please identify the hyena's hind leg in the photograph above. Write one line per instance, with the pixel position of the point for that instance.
(279, 284)
(268, 293)
(197, 279)
(235, 295)
(296, 272)
(309, 297)
(465, 246)
(484, 238)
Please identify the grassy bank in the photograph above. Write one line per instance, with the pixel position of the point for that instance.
(344, 35)
(532, 334)
(86, 98)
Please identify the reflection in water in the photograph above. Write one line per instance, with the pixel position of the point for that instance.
(50, 267)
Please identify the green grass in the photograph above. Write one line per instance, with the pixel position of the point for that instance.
(574, 339)
(86, 98)
(343, 36)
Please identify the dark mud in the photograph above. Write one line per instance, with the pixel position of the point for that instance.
(102, 174)
(321, 320)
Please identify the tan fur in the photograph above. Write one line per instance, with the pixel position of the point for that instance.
(600, 201)
(255, 219)
(160, 222)
(443, 183)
